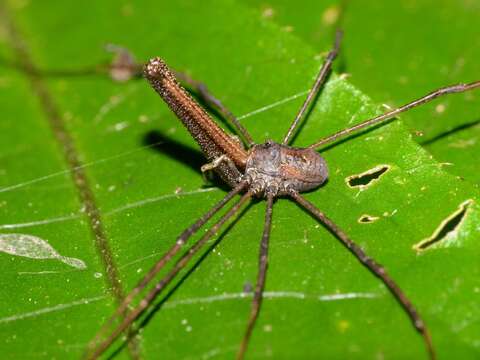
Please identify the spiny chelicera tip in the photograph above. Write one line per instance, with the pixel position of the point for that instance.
(156, 68)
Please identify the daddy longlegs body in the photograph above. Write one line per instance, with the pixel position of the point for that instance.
(269, 170)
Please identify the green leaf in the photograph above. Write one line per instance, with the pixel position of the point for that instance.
(397, 51)
(320, 301)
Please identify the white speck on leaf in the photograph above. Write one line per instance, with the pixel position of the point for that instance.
(440, 108)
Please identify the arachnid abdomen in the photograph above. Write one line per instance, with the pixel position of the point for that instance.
(278, 169)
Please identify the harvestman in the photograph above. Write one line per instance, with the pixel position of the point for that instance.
(267, 170)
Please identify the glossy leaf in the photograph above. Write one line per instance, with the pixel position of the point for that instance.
(142, 168)
(399, 50)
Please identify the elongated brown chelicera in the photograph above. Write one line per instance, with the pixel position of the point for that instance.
(269, 170)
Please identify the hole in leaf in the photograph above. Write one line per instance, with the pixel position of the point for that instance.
(367, 219)
(367, 177)
(448, 227)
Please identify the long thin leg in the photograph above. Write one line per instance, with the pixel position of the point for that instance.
(124, 67)
(377, 269)
(262, 273)
(215, 104)
(388, 115)
(156, 290)
(319, 81)
(181, 240)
